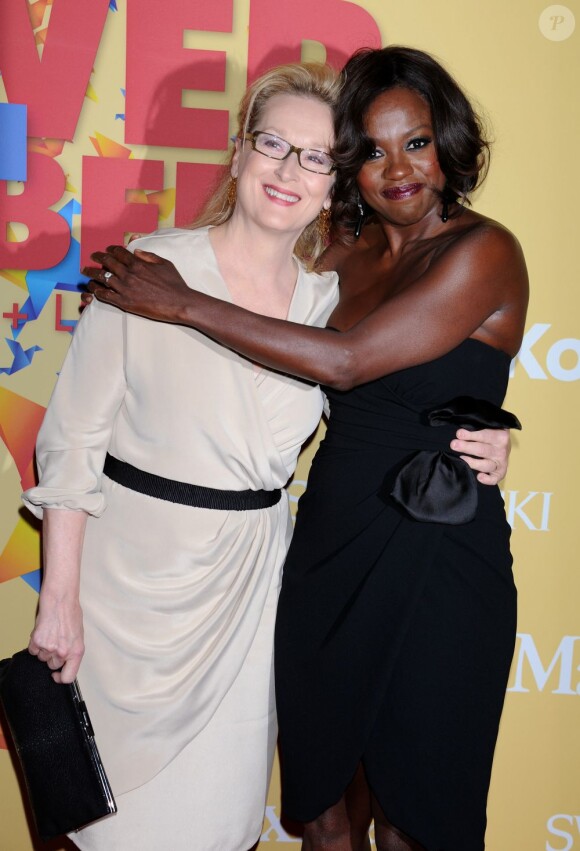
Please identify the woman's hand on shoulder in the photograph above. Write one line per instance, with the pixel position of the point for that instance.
(87, 296)
(57, 637)
(139, 282)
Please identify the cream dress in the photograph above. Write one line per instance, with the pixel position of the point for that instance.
(178, 602)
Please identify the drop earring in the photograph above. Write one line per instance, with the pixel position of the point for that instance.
(232, 192)
(323, 225)
(361, 217)
(445, 203)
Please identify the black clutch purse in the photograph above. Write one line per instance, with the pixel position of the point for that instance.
(52, 732)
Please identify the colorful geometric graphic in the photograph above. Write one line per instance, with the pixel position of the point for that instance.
(41, 284)
(21, 555)
(20, 420)
(13, 141)
(109, 148)
(21, 358)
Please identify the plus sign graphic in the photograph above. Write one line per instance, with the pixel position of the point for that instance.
(15, 315)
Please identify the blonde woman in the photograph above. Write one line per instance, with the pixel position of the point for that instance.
(162, 458)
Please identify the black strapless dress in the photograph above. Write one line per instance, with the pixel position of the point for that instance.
(394, 637)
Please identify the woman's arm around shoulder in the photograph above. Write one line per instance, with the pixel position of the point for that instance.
(476, 285)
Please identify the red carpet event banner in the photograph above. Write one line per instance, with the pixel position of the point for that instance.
(115, 118)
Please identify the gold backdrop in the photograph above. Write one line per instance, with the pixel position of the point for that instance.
(85, 165)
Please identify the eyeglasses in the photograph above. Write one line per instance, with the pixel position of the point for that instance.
(272, 146)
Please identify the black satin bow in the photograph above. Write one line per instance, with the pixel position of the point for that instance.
(437, 486)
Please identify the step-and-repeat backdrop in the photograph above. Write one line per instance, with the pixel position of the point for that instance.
(114, 117)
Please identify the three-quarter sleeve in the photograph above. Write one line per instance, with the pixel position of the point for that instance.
(76, 431)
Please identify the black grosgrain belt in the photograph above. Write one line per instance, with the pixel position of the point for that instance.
(184, 493)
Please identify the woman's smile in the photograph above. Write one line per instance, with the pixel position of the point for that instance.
(399, 193)
(280, 196)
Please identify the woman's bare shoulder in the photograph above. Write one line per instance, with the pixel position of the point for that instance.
(479, 232)
(484, 250)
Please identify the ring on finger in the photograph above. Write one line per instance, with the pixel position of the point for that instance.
(107, 275)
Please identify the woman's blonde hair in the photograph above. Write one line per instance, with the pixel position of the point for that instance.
(307, 79)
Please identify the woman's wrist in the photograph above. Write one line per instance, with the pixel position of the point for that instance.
(55, 594)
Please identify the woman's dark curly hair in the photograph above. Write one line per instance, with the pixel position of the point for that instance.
(462, 150)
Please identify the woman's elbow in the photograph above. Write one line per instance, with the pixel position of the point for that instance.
(342, 372)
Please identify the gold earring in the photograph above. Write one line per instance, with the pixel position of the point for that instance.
(232, 192)
(323, 224)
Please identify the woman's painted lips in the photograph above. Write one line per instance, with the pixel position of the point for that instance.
(399, 193)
